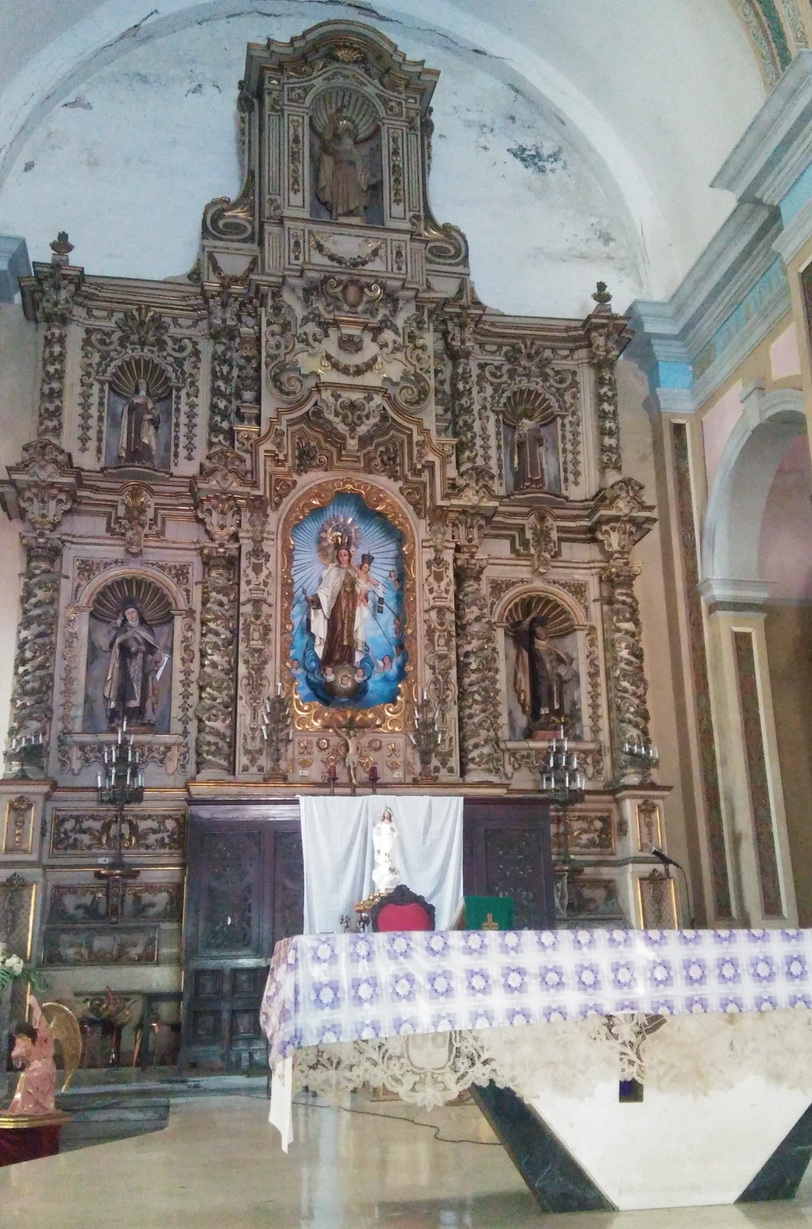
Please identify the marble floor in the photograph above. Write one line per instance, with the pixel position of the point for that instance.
(218, 1164)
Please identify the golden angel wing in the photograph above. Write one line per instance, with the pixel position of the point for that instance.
(67, 1034)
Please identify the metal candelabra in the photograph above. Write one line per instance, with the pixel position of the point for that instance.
(563, 784)
(276, 733)
(121, 784)
(27, 751)
(642, 756)
(426, 735)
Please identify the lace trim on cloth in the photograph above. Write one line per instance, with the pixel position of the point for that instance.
(694, 1054)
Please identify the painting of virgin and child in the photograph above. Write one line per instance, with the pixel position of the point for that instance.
(347, 647)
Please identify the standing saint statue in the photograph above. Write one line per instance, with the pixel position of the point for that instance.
(343, 179)
(138, 439)
(134, 670)
(336, 616)
(385, 874)
(529, 455)
(540, 673)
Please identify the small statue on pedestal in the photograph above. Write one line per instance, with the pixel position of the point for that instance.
(385, 874)
(34, 1052)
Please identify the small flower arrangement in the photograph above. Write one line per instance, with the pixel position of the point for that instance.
(10, 967)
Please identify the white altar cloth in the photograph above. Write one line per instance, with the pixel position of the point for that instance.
(324, 989)
(716, 1023)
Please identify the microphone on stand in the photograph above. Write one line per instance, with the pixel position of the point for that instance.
(664, 858)
(666, 861)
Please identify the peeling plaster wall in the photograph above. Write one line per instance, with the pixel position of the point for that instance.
(128, 161)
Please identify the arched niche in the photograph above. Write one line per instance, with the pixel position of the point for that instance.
(129, 651)
(138, 426)
(346, 165)
(731, 541)
(530, 441)
(544, 662)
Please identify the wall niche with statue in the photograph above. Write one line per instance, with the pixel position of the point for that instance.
(543, 672)
(345, 158)
(129, 652)
(531, 443)
(139, 415)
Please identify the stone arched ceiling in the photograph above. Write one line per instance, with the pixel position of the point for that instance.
(572, 142)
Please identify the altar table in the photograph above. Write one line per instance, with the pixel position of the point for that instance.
(710, 1032)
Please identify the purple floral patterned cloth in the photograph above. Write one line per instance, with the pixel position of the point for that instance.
(328, 988)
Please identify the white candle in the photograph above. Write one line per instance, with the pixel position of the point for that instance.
(279, 688)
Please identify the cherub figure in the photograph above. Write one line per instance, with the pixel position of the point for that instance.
(34, 1052)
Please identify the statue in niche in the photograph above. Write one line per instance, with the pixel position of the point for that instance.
(345, 157)
(129, 652)
(137, 662)
(530, 455)
(545, 684)
(138, 437)
(530, 442)
(343, 178)
(139, 414)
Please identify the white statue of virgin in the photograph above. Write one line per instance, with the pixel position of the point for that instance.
(385, 874)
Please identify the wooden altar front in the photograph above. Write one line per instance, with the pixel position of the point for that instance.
(246, 889)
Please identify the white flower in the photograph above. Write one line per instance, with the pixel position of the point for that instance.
(15, 964)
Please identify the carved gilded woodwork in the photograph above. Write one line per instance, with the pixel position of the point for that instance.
(18, 825)
(479, 704)
(307, 356)
(35, 658)
(80, 833)
(217, 683)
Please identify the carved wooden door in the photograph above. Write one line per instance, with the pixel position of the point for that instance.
(506, 852)
(245, 891)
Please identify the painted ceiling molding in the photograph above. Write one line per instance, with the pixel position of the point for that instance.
(776, 30)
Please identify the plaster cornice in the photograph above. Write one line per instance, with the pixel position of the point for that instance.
(777, 145)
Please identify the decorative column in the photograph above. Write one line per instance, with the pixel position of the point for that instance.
(474, 462)
(48, 297)
(748, 756)
(35, 658)
(440, 642)
(479, 707)
(621, 518)
(256, 626)
(218, 662)
(223, 300)
(606, 333)
(41, 489)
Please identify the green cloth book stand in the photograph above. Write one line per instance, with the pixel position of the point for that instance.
(478, 909)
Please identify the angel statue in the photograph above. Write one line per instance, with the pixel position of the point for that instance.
(344, 179)
(34, 1052)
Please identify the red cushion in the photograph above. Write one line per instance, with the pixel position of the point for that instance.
(403, 917)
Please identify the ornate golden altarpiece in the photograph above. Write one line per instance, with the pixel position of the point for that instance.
(328, 342)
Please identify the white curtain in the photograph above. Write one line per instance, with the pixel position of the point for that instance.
(338, 859)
